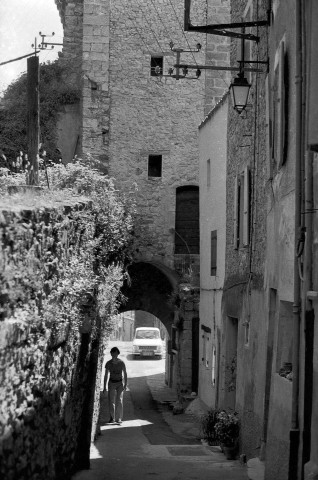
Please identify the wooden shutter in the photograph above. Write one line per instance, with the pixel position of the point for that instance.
(280, 107)
(268, 128)
(187, 236)
(246, 207)
(236, 213)
(213, 253)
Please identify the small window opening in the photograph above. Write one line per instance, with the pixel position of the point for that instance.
(208, 173)
(155, 166)
(213, 366)
(213, 253)
(156, 66)
(247, 333)
(205, 350)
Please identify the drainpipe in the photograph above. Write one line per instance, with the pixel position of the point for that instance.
(294, 431)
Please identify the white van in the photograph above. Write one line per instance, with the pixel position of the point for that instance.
(147, 342)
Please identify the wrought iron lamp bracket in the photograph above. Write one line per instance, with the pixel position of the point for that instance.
(222, 28)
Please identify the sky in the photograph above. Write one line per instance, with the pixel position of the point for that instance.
(20, 23)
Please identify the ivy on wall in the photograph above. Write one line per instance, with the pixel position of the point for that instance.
(61, 270)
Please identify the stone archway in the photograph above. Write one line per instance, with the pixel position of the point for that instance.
(149, 288)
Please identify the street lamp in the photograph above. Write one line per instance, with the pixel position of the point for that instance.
(240, 89)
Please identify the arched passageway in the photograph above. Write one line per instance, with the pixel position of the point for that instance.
(149, 289)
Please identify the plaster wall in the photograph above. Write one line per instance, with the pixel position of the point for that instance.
(213, 155)
(280, 245)
(277, 450)
(280, 249)
(242, 382)
(311, 468)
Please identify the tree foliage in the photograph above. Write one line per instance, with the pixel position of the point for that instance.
(54, 93)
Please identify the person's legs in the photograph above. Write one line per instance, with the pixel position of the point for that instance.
(119, 401)
(111, 400)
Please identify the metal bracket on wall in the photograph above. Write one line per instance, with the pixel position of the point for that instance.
(221, 28)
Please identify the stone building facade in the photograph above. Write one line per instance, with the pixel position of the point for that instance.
(141, 128)
(244, 299)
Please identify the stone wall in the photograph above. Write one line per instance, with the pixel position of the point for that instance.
(128, 114)
(247, 146)
(71, 58)
(153, 115)
(48, 367)
(186, 313)
(217, 53)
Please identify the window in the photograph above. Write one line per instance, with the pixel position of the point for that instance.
(284, 355)
(205, 345)
(242, 209)
(246, 333)
(154, 165)
(278, 110)
(156, 66)
(213, 253)
(213, 366)
(208, 173)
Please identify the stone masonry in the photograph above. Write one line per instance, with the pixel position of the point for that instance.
(128, 114)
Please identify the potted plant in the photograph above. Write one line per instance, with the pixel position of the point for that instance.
(227, 430)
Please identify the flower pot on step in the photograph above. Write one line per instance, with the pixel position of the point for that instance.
(230, 451)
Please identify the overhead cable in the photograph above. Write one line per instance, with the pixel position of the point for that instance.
(148, 23)
(163, 24)
(182, 30)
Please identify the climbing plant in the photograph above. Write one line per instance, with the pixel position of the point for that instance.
(52, 265)
(62, 263)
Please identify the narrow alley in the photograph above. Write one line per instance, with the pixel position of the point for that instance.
(152, 442)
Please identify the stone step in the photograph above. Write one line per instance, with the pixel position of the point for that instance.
(255, 469)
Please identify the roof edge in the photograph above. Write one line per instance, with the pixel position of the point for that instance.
(212, 112)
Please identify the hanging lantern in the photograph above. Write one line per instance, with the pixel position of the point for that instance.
(239, 92)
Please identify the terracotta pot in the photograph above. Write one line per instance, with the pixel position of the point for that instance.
(230, 451)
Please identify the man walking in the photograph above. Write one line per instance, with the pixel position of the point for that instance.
(115, 370)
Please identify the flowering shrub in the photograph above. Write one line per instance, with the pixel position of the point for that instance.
(51, 268)
(227, 427)
(62, 264)
(208, 422)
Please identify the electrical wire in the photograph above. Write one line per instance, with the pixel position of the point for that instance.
(141, 38)
(149, 25)
(181, 27)
(135, 27)
(163, 24)
(155, 79)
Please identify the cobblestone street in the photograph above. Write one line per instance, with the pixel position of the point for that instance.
(152, 442)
